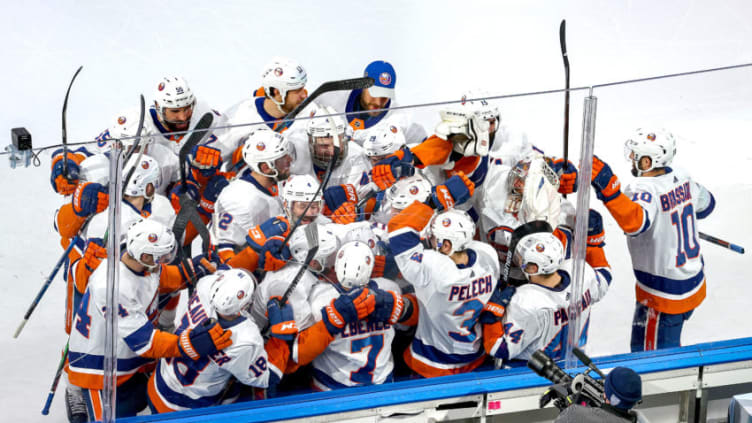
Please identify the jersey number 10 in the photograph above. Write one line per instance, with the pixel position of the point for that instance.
(685, 229)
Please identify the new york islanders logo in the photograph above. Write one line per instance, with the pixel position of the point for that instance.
(414, 190)
(385, 78)
(651, 136)
(540, 248)
(153, 238)
(260, 146)
(145, 164)
(368, 260)
(161, 86)
(121, 120)
(464, 100)
(446, 222)
(278, 72)
(371, 243)
(241, 294)
(393, 129)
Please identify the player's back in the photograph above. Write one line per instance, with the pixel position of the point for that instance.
(538, 317)
(183, 383)
(361, 354)
(275, 284)
(666, 255)
(243, 204)
(448, 335)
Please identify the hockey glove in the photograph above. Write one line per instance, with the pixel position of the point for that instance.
(387, 171)
(606, 184)
(199, 266)
(348, 308)
(211, 193)
(378, 266)
(93, 254)
(205, 339)
(204, 162)
(90, 198)
(595, 235)
(388, 307)
(281, 320)
(336, 196)
(456, 190)
(567, 175)
(192, 190)
(65, 184)
(496, 306)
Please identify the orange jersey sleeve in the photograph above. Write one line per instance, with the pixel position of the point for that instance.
(432, 151)
(628, 214)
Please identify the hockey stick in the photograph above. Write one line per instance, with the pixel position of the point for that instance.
(312, 239)
(721, 243)
(46, 285)
(65, 131)
(340, 85)
(565, 57)
(55, 381)
(187, 205)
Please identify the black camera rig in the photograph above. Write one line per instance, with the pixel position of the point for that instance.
(568, 390)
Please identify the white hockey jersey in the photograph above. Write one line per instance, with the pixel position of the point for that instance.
(137, 312)
(451, 298)
(361, 354)
(243, 204)
(182, 383)
(665, 250)
(355, 168)
(249, 114)
(275, 284)
(537, 317)
(158, 209)
(348, 102)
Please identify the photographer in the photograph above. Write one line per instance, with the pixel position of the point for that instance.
(622, 391)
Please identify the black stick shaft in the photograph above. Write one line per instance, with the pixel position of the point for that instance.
(565, 58)
(65, 127)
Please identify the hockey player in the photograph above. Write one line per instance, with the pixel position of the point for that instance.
(537, 317)
(359, 353)
(315, 150)
(282, 90)
(181, 383)
(143, 273)
(364, 108)
(658, 213)
(252, 198)
(453, 282)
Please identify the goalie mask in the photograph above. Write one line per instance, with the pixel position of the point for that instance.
(658, 145)
(541, 249)
(273, 149)
(454, 226)
(354, 264)
(231, 291)
(324, 134)
(150, 243)
(324, 257)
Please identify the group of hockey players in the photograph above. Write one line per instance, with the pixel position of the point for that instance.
(423, 255)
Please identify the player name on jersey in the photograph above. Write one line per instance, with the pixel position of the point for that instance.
(477, 287)
(676, 196)
(561, 317)
(362, 327)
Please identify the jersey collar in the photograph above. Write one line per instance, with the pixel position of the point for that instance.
(248, 177)
(471, 258)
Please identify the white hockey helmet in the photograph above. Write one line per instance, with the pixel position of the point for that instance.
(300, 188)
(324, 257)
(542, 249)
(454, 226)
(172, 92)
(363, 232)
(266, 146)
(383, 141)
(283, 75)
(659, 145)
(146, 172)
(148, 236)
(477, 101)
(354, 264)
(455, 126)
(231, 292)
(400, 195)
(327, 131)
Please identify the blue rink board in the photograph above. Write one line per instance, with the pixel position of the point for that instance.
(396, 393)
